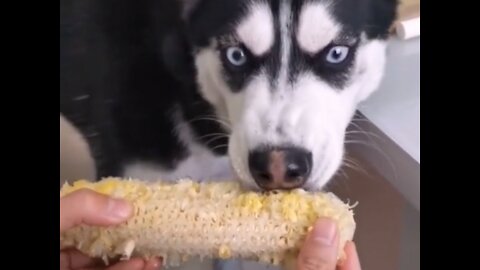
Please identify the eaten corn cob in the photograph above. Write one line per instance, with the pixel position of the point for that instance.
(207, 220)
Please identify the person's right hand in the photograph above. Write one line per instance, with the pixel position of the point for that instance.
(320, 250)
(88, 207)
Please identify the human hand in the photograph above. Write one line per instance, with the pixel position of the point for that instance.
(320, 250)
(88, 207)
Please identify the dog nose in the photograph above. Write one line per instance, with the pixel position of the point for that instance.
(280, 168)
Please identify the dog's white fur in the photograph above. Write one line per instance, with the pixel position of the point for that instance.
(313, 39)
(256, 30)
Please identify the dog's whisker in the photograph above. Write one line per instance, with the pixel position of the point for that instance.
(217, 120)
(224, 123)
(215, 117)
(212, 134)
(373, 143)
(220, 146)
(215, 139)
(378, 150)
(363, 131)
(221, 123)
(359, 119)
(340, 180)
(350, 132)
(352, 164)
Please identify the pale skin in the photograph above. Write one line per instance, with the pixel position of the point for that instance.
(87, 207)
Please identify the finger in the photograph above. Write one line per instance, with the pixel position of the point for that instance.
(73, 259)
(153, 264)
(352, 261)
(89, 207)
(320, 248)
(133, 264)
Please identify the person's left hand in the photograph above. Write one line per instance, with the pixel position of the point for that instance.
(88, 207)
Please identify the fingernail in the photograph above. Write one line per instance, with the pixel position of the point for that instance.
(119, 209)
(156, 265)
(341, 260)
(324, 232)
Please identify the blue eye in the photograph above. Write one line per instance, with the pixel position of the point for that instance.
(337, 54)
(236, 56)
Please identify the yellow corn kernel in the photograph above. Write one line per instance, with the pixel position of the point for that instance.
(207, 220)
(224, 252)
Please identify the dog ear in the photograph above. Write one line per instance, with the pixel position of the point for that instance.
(382, 14)
(188, 7)
(176, 57)
(175, 49)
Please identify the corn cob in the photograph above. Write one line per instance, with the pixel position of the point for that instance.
(207, 220)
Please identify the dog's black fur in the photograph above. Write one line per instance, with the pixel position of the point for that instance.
(116, 86)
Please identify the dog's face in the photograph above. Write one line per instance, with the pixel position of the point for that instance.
(287, 76)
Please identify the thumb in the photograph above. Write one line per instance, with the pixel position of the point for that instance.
(92, 208)
(320, 249)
